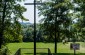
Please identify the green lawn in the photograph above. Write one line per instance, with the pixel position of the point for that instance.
(62, 49)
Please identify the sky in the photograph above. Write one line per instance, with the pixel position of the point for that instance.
(29, 14)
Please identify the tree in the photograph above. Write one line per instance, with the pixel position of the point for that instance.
(78, 18)
(28, 34)
(56, 15)
(12, 12)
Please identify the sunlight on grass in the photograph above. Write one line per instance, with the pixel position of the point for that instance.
(61, 47)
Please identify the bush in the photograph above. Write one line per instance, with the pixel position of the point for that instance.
(5, 51)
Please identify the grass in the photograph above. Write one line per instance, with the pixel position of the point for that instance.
(62, 49)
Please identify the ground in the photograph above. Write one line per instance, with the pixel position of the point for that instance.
(62, 49)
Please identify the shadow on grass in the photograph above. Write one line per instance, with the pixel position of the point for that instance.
(36, 54)
(68, 54)
(54, 54)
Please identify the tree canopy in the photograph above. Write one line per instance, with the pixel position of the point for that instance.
(10, 28)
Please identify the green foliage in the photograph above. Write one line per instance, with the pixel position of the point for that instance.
(27, 32)
(5, 51)
(10, 27)
(68, 16)
(55, 14)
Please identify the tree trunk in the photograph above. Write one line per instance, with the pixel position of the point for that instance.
(2, 26)
(1, 40)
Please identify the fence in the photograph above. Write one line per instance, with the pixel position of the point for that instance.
(30, 51)
(18, 52)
